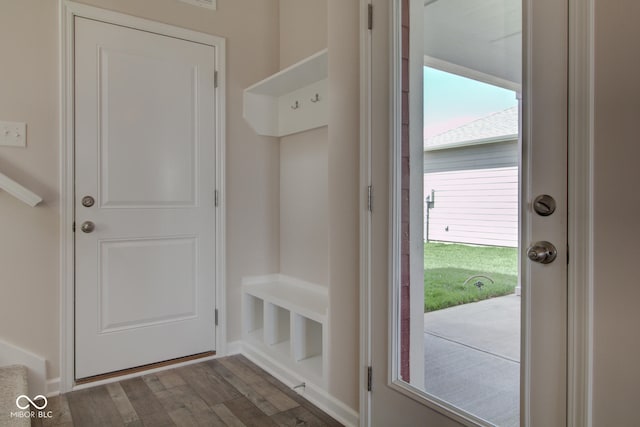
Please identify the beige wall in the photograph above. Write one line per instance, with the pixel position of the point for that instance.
(617, 207)
(303, 29)
(303, 206)
(303, 156)
(29, 284)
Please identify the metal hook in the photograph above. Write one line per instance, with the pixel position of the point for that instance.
(295, 106)
(316, 98)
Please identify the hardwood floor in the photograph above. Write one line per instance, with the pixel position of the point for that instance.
(230, 391)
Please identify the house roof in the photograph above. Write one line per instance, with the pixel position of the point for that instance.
(496, 127)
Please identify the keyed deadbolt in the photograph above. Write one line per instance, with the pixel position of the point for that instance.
(544, 205)
(88, 201)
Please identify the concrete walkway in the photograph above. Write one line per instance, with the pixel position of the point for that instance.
(472, 355)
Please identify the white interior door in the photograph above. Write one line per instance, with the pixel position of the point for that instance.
(144, 198)
(543, 355)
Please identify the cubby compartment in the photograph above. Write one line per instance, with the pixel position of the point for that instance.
(277, 329)
(254, 317)
(308, 344)
(308, 338)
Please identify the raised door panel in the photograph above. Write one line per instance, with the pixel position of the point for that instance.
(148, 131)
(147, 282)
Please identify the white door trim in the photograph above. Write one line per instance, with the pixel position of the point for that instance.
(365, 214)
(580, 218)
(68, 10)
(580, 213)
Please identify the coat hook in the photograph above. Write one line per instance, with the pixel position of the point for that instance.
(315, 98)
(295, 106)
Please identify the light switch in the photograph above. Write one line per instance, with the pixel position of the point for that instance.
(13, 134)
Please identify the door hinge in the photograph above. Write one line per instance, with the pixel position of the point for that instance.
(216, 198)
(73, 227)
(370, 198)
(215, 314)
(215, 79)
(369, 378)
(370, 16)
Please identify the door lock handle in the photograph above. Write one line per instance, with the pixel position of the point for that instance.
(543, 252)
(87, 227)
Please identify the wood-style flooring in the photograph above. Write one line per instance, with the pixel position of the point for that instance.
(230, 391)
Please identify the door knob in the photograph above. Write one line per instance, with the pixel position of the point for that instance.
(543, 252)
(87, 227)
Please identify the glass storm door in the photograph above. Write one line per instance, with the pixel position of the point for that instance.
(468, 263)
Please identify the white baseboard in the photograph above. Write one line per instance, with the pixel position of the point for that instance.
(313, 393)
(53, 387)
(234, 347)
(36, 366)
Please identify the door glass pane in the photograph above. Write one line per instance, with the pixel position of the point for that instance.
(458, 294)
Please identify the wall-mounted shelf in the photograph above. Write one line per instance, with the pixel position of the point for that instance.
(285, 320)
(18, 191)
(292, 100)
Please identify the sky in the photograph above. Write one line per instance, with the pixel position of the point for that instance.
(451, 101)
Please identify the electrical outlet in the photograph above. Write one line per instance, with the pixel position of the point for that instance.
(13, 134)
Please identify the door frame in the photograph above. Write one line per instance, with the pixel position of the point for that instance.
(68, 10)
(579, 217)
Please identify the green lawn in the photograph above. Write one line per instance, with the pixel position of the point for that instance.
(447, 266)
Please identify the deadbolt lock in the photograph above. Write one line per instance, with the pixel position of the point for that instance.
(544, 205)
(88, 201)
